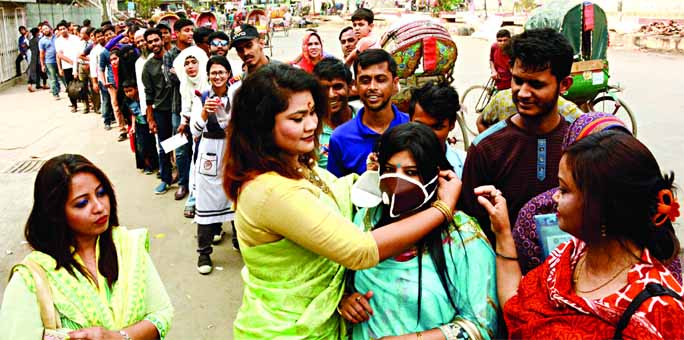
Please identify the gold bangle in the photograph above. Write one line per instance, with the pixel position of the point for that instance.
(444, 209)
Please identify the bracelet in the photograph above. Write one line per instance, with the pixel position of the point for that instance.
(507, 257)
(125, 335)
(444, 209)
(338, 310)
(419, 336)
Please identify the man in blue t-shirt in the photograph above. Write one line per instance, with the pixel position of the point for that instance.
(353, 141)
(48, 59)
(22, 43)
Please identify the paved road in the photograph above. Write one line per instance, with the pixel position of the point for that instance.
(34, 125)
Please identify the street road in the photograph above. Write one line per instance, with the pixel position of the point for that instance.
(36, 126)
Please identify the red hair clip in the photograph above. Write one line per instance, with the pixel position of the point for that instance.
(668, 208)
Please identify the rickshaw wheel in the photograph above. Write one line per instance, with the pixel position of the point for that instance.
(617, 107)
(473, 102)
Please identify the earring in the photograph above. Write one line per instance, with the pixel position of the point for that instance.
(604, 230)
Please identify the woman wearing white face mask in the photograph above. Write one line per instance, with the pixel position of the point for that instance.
(443, 287)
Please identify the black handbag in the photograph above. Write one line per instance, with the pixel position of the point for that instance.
(651, 290)
(74, 89)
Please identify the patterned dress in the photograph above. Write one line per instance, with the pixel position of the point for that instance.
(546, 306)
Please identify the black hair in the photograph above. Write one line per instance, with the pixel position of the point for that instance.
(620, 179)
(89, 30)
(363, 14)
(151, 23)
(62, 23)
(332, 68)
(201, 33)
(440, 101)
(503, 33)
(22, 28)
(429, 157)
(348, 28)
(86, 22)
(218, 35)
(162, 26)
(106, 23)
(108, 28)
(152, 31)
(178, 25)
(129, 83)
(372, 57)
(540, 49)
(97, 31)
(34, 31)
(47, 229)
(221, 60)
(251, 147)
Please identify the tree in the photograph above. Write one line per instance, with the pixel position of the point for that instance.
(144, 8)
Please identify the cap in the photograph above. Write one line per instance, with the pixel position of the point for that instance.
(242, 33)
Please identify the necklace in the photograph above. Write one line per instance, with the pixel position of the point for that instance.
(580, 267)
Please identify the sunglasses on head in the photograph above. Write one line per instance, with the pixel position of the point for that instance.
(218, 43)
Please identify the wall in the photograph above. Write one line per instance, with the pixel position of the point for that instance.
(13, 15)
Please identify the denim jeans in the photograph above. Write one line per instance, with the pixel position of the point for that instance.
(183, 154)
(164, 131)
(105, 104)
(53, 78)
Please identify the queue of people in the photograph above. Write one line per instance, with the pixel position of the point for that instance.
(361, 224)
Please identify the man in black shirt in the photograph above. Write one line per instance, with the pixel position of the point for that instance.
(158, 96)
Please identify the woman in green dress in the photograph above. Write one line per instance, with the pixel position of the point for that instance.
(100, 276)
(293, 220)
(443, 286)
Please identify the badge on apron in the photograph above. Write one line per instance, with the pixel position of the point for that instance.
(207, 164)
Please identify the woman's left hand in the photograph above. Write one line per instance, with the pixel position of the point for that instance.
(94, 333)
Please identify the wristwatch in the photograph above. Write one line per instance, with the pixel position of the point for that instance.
(125, 335)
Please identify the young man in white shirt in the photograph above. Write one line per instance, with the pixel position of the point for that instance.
(67, 47)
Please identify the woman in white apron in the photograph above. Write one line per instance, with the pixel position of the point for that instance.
(208, 122)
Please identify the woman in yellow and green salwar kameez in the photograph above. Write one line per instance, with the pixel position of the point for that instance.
(101, 277)
(292, 219)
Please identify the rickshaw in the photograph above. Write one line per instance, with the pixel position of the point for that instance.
(280, 21)
(167, 18)
(424, 52)
(259, 19)
(585, 26)
(207, 19)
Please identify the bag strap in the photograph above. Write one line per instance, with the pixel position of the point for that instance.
(651, 290)
(48, 312)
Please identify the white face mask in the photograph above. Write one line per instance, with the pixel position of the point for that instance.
(365, 192)
(404, 194)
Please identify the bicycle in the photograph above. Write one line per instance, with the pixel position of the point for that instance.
(473, 102)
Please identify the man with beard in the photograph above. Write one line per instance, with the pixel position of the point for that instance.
(353, 141)
(139, 41)
(184, 29)
(48, 59)
(158, 97)
(335, 79)
(520, 155)
(218, 43)
(166, 35)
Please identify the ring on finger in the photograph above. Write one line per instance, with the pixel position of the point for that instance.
(358, 298)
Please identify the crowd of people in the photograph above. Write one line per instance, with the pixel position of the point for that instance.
(361, 224)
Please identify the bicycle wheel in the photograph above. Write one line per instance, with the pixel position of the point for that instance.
(617, 107)
(473, 101)
(458, 137)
